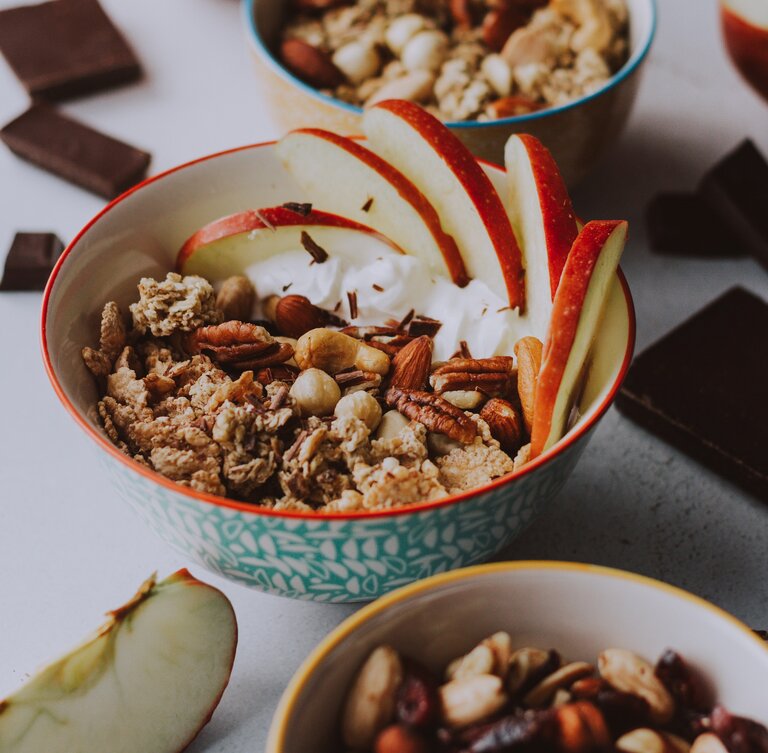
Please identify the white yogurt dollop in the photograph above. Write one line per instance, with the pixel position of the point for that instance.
(473, 313)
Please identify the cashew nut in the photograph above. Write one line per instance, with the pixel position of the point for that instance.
(402, 29)
(334, 351)
(425, 51)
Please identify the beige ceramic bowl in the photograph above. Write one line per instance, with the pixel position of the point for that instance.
(578, 609)
(577, 133)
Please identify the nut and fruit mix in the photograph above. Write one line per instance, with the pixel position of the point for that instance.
(463, 59)
(302, 411)
(497, 699)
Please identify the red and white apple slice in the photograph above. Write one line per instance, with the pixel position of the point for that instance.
(148, 680)
(343, 176)
(228, 246)
(543, 219)
(584, 284)
(445, 171)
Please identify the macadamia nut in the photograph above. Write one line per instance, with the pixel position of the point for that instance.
(315, 392)
(361, 405)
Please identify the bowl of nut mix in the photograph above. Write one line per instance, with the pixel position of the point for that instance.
(329, 394)
(566, 71)
(549, 657)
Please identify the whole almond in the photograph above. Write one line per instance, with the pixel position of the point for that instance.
(235, 298)
(399, 739)
(295, 315)
(504, 422)
(310, 64)
(410, 367)
(499, 24)
(528, 352)
(461, 12)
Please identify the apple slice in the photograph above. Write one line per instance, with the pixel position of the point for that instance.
(543, 219)
(148, 680)
(227, 246)
(339, 174)
(445, 171)
(587, 275)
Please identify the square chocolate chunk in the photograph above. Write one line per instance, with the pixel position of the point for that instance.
(30, 261)
(74, 151)
(65, 48)
(704, 388)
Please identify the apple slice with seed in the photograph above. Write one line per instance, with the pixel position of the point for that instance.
(148, 680)
(227, 246)
(578, 305)
(340, 175)
(543, 219)
(445, 171)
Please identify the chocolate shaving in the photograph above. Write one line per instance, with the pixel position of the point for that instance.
(337, 306)
(279, 398)
(302, 209)
(503, 308)
(294, 448)
(352, 298)
(263, 219)
(255, 402)
(287, 287)
(406, 320)
(347, 377)
(318, 253)
(423, 325)
(367, 204)
(463, 351)
(377, 288)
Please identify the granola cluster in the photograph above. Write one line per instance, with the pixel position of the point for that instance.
(463, 60)
(342, 419)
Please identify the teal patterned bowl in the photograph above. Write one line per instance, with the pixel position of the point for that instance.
(320, 557)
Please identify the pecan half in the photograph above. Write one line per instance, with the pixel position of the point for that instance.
(238, 345)
(410, 366)
(505, 423)
(492, 376)
(434, 412)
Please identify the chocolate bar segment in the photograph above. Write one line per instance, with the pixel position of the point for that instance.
(65, 48)
(681, 224)
(30, 260)
(736, 189)
(75, 152)
(704, 388)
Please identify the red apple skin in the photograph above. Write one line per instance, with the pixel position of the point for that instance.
(259, 219)
(477, 185)
(409, 192)
(560, 222)
(566, 312)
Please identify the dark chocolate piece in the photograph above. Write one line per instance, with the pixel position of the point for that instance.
(736, 189)
(65, 48)
(702, 388)
(681, 224)
(30, 261)
(75, 151)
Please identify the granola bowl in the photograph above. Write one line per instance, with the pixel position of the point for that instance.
(577, 609)
(577, 131)
(335, 557)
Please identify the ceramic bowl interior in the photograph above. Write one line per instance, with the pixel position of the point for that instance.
(265, 18)
(578, 609)
(140, 234)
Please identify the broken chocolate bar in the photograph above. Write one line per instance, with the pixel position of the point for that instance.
(736, 189)
(61, 49)
(681, 224)
(75, 151)
(702, 388)
(30, 260)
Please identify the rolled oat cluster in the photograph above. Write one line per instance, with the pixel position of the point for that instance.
(462, 60)
(497, 699)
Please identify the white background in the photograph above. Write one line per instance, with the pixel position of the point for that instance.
(69, 549)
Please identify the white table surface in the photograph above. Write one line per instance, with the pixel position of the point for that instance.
(69, 549)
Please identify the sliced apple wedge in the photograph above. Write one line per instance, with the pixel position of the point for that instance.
(227, 246)
(587, 275)
(445, 171)
(543, 219)
(343, 176)
(148, 680)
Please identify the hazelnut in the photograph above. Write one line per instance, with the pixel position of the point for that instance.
(402, 29)
(425, 51)
(390, 425)
(361, 405)
(358, 61)
(315, 392)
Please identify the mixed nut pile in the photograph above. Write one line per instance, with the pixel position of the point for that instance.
(499, 700)
(301, 410)
(463, 59)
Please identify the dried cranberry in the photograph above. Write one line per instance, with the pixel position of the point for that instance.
(739, 734)
(622, 711)
(686, 686)
(418, 703)
(532, 729)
